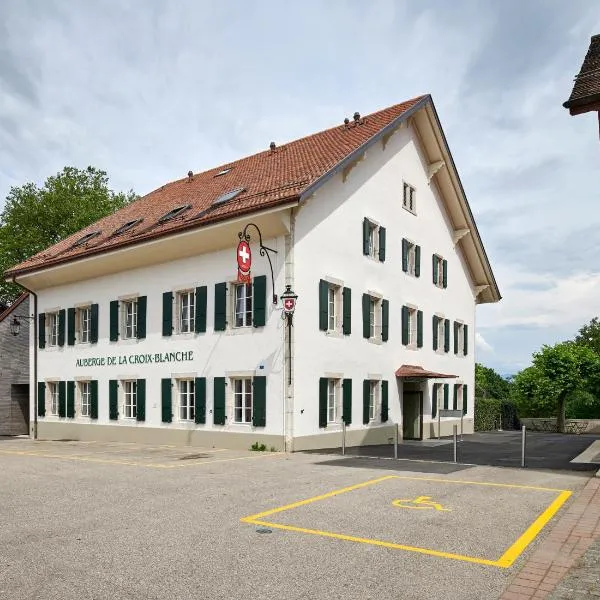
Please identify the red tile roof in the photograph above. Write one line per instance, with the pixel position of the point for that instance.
(416, 371)
(268, 179)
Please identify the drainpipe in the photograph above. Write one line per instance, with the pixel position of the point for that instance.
(35, 351)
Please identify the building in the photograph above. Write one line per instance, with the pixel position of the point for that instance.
(146, 334)
(585, 96)
(14, 369)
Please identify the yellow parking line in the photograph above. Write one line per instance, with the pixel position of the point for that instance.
(486, 483)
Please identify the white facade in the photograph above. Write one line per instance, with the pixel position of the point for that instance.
(320, 238)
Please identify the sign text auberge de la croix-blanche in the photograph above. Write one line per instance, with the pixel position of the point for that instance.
(135, 359)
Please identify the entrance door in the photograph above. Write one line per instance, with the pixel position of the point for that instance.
(19, 408)
(412, 415)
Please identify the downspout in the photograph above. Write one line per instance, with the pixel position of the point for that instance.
(35, 351)
(289, 346)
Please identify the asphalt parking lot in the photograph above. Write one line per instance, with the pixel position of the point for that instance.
(123, 521)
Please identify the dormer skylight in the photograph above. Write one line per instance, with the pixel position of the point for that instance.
(228, 196)
(86, 238)
(127, 226)
(174, 213)
(223, 172)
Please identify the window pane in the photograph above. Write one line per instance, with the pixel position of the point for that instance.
(331, 308)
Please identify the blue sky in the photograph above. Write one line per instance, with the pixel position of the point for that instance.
(147, 90)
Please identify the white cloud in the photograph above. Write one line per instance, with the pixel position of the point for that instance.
(481, 344)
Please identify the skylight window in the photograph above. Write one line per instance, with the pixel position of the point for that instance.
(174, 213)
(127, 226)
(223, 172)
(86, 238)
(229, 195)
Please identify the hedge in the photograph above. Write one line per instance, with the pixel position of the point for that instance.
(492, 414)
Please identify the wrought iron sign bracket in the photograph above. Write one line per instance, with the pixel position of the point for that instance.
(263, 251)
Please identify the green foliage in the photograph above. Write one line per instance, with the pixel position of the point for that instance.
(35, 218)
(256, 447)
(272, 449)
(492, 414)
(589, 336)
(582, 404)
(489, 384)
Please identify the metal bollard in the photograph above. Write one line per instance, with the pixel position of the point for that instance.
(343, 437)
(396, 443)
(523, 444)
(454, 428)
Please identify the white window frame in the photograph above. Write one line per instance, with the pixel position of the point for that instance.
(460, 332)
(242, 318)
(243, 396)
(438, 389)
(84, 391)
(52, 328)
(333, 400)
(374, 395)
(129, 387)
(375, 317)
(441, 334)
(459, 396)
(333, 303)
(439, 266)
(411, 258)
(186, 393)
(52, 387)
(186, 321)
(409, 198)
(412, 326)
(129, 316)
(373, 239)
(83, 324)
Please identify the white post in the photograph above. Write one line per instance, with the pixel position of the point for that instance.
(343, 437)
(523, 442)
(454, 428)
(396, 443)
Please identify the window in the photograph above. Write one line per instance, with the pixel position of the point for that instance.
(223, 172)
(186, 399)
(438, 271)
(374, 317)
(412, 326)
(411, 258)
(373, 237)
(441, 332)
(127, 226)
(242, 400)
(86, 238)
(332, 400)
(331, 308)
(174, 213)
(130, 399)
(243, 305)
(438, 396)
(409, 200)
(186, 309)
(459, 338)
(373, 399)
(52, 328)
(228, 196)
(53, 394)
(83, 324)
(85, 398)
(129, 319)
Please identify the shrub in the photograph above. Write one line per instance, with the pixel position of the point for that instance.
(491, 414)
(256, 447)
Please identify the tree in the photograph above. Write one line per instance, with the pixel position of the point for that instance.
(589, 335)
(35, 218)
(557, 373)
(489, 384)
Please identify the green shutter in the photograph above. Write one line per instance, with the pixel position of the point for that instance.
(167, 315)
(166, 386)
(419, 329)
(381, 244)
(259, 301)
(465, 399)
(466, 341)
(94, 324)
(385, 320)
(405, 331)
(455, 399)
(61, 327)
(434, 400)
(200, 399)
(94, 399)
(71, 399)
(384, 401)
(114, 320)
(455, 337)
(405, 255)
(113, 399)
(62, 399)
(347, 401)
(446, 393)
(140, 408)
(417, 261)
(323, 312)
(445, 273)
(142, 304)
(219, 401)
(366, 390)
(259, 401)
(42, 330)
(323, 401)
(434, 269)
(200, 316)
(71, 326)
(366, 237)
(434, 322)
(220, 306)
(447, 335)
(41, 399)
(346, 311)
(366, 305)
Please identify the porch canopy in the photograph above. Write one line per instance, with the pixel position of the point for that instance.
(416, 372)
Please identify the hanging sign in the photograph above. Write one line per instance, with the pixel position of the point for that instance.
(289, 304)
(244, 262)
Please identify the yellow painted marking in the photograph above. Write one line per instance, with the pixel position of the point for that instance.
(420, 503)
(505, 561)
